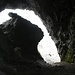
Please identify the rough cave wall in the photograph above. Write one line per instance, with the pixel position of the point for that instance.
(58, 17)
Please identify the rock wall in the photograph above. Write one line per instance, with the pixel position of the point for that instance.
(56, 16)
(59, 18)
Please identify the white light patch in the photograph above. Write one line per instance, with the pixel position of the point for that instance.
(48, 50)
(46, 46)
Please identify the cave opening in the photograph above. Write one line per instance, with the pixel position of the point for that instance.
(46, 47)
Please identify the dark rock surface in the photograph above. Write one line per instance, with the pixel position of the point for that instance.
(59, 19)
(23, 38)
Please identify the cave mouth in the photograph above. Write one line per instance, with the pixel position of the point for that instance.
(46, 47)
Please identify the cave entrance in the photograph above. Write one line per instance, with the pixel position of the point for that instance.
(46, 47)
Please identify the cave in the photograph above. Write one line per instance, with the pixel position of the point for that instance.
(59, 19)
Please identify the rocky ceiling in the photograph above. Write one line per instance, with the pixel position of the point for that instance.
(59, 18)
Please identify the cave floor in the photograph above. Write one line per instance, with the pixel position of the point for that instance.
(37, 68)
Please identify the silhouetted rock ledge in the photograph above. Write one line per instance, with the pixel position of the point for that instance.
(22, 38)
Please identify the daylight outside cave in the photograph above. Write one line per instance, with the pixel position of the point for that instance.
(46, 47)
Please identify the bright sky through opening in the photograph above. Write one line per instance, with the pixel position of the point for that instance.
(46, 46)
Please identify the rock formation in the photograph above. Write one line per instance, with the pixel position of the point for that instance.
(22, 36)
(59, 18)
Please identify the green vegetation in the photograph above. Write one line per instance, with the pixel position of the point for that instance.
(69, 56)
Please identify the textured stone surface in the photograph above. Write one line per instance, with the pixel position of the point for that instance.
(55, 14)
(59, 18)
(23, 37)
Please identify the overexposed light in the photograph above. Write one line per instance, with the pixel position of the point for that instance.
(46, 47)
(48, 50)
